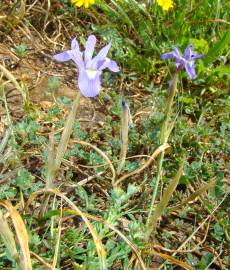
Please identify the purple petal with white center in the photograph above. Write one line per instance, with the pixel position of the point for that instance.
(62, 57)
(100, 56)
(89, 48)
(76, 56)
(110, 64)
(190, 69)
(89, 87)
(75, 45)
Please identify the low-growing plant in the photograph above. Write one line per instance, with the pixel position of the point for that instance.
(142, 183)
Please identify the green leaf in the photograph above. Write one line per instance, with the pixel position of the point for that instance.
(186, 100)
(200, 45)
(24, 179)
(218, 47)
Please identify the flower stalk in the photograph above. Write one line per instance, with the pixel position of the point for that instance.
(167, 194)
(124, 135)
(67, 132)
(55, 159)
(164, 135)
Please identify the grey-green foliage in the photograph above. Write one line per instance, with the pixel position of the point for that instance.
(21, 50)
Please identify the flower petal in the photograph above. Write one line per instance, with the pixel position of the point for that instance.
(89, 87)
(77, 58)
(188, 53)
(190, 69)
(89, 48)
(174, 54)
(198, 56)
(75, 45)
(62, 57)
(100, 56)
(168, 55)
(110, 64)
(177, 52)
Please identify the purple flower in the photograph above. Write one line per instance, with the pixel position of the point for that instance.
(187, 60)
(89, 67)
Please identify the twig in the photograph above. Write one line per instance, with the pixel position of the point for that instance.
(9, 76)
(4, 140)
(160, 149)
(57, 245)
(198, 228)
(41, 260)
(103, 155)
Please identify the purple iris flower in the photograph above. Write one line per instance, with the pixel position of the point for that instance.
(89, 67)
(187, 60)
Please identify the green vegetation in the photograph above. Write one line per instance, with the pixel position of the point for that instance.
(167, 206)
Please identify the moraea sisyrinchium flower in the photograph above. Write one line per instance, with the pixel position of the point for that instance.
(187, 60)
(89, 67)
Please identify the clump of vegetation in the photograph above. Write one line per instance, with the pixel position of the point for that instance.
(120, 170)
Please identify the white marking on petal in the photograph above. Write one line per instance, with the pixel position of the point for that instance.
(91, 73)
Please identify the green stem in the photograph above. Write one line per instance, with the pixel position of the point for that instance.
(164, 134)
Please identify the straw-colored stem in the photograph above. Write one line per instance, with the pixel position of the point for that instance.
(67, 132)
(51, 165)
(8, 238)
(55, 159)
(161, 148)
(163, 139)
(103, 155)
(10, 77)
(124, 135)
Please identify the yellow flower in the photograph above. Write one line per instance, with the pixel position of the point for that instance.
(165, 4)
(85, 3)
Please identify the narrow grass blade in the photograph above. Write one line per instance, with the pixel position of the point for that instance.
(97, 241)
(103, 155)
(57, 245)
(107, 224)
(192, 235)
(8, 238)
(194, 195)
(11, 77)
(217, 48)
(22, 236)
(164, 201)
(173, 260)
(121, 13)
(38, 258)
(159, 150)
(4, 141)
